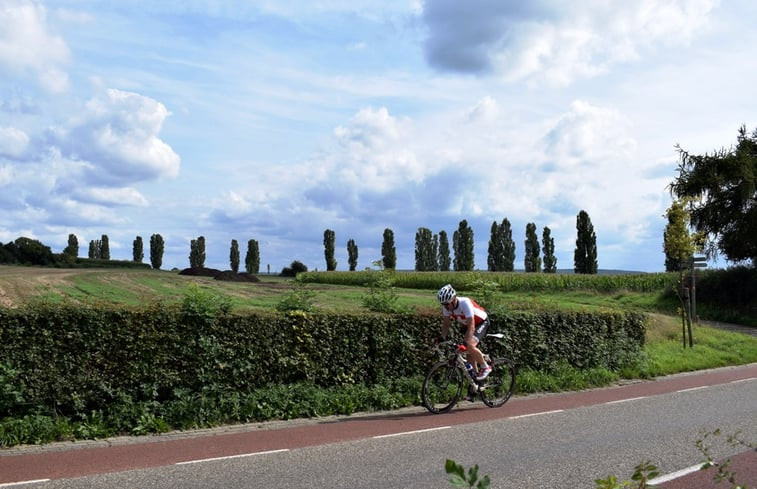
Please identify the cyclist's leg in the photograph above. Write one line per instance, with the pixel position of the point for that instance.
(478, 336)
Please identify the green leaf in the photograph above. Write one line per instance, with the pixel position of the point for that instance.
(454, 468)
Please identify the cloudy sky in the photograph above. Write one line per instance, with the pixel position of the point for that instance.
(275, 121)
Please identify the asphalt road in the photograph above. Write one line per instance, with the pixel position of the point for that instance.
(565, 440)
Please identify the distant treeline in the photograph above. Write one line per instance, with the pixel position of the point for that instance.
(27, 251)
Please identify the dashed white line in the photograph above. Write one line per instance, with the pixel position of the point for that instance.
(411, 432)
(673, 475)
(743, 380)
(694, 389)
(231, 457)
(21, 483)
(537, 414)
(626, 400)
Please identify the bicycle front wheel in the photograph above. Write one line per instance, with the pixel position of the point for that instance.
(442, 387)
(499, 385)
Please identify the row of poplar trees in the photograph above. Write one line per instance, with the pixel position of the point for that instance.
(432, 251)
(99, 249)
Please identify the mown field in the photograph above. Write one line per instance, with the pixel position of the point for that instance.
(19, 285)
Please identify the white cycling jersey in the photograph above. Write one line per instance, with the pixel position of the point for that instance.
(465, 309)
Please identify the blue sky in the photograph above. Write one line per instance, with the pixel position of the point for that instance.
(275, 121)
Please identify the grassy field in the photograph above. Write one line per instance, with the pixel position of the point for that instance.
(135, 287)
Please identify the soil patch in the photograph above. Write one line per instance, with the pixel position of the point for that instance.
(232, 276)
(226, 275)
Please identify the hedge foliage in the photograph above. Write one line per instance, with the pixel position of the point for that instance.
(506, 281)
(77, 360)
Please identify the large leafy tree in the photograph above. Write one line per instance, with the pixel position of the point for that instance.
(234, 256)
(388, 251)
(723, 189)
(462, 244)
(532, 259)
(138, 250)
(329, 248)
(425, 255)
(352, 254)
(252, 258)
(585, 255)
(157, 246)
(443, 252)
(548, 250)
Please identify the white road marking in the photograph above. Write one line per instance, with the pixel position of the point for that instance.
(673, 475)
(231, 457)
(743, 380)
(626, 400)
(412, 432)
(537, 414)
(694, 388)
(21, 483)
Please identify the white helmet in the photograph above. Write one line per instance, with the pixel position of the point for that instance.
(446, 294)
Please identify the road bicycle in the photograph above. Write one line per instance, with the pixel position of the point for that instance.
(445, 380)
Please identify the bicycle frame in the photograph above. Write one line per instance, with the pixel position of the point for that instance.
(458, 357)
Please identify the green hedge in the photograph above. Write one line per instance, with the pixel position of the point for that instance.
(506, 281)
(73, 360)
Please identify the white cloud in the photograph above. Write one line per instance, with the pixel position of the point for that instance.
(553, 41)
(13, 142)
(111, 196)
(26, 45)
(118, 135)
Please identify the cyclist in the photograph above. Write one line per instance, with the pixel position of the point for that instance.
(474, 321)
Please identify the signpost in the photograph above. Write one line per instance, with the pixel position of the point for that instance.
(689, 293)
(696, 262)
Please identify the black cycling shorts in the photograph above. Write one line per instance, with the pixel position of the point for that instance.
(480, 332)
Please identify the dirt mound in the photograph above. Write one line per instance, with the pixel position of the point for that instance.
(232, 276)
(200, 272)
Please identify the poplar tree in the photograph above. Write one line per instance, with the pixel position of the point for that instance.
(532, 259)
(104, 247)
(548, 250)
(462, 244)
(585, 255)
(494, 259)
(197, 253)
(425, 257)
(352, 254)
(506, 232)
(443, 253)
(234, 256)
(95, 249)
(388, 251)
(72, 249)
(157, 246)
(329, 239)
(501, 248)
(252, 258)
(138, 250)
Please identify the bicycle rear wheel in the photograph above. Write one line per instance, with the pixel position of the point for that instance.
(498, 386)
(442, 387)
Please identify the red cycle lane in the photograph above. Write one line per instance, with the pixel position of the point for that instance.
(68, 460)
